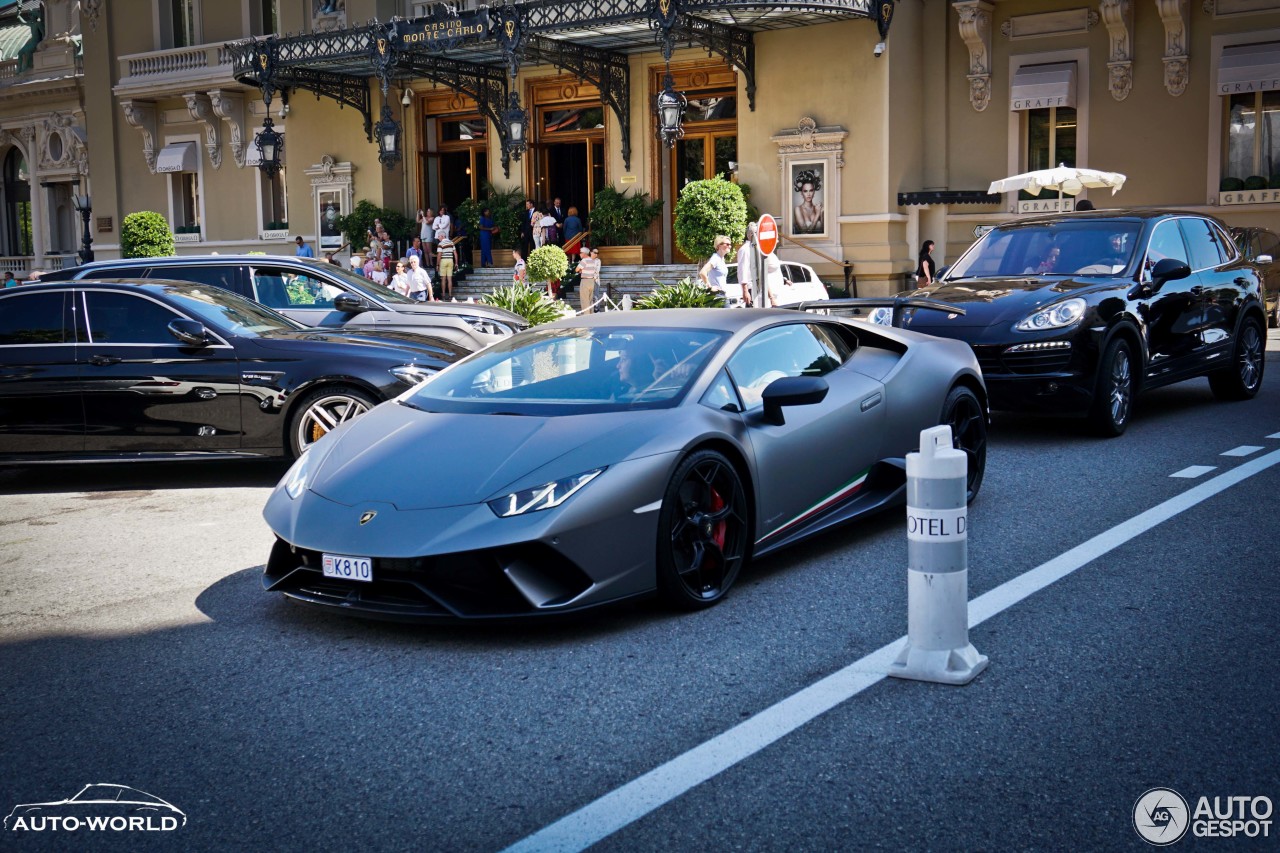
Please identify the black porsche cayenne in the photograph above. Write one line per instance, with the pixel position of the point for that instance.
(1076, 314)
(115, 370)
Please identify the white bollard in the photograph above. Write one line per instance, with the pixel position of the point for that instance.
(937, 647)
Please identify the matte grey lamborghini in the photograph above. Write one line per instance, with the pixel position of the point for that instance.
(610, 456)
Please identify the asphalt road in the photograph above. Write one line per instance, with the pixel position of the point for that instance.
(138, 648)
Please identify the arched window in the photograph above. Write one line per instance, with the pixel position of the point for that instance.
(17, 205)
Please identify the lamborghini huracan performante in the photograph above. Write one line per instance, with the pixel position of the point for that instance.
(604, 457)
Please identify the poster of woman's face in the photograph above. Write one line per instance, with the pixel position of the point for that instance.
(330, 210)
(808, 215)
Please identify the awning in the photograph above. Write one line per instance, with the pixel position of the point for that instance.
(1036, 87)
(179, 157)
(1249, 68)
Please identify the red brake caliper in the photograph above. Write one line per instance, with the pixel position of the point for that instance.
(717, 504)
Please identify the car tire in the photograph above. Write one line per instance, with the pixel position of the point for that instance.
(1114, 394)
(703, 531)
(322, 410)
(963, 412)
(1241, 379)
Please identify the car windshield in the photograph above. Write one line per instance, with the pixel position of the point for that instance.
(365, 286)
(1092, 247)
(227, 312)
(573, 371)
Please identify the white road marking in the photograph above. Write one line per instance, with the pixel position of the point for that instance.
(625, 805)
(1194, 471)
(1274, 435)
(1243, 450)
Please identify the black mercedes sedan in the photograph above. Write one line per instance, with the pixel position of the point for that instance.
(1076, 314)
(111, 370)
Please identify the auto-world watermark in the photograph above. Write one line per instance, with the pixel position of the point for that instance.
(101, 807)
(1162, 816)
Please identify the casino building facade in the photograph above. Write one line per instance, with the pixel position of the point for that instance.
(893, 117)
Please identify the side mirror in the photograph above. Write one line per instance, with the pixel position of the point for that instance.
(349, 304)
(792, 391)
(1165, 270)
(189, 332)
(1262, 260)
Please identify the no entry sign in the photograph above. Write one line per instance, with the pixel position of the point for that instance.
(767, 233)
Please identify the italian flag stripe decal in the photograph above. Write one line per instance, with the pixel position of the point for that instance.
(827, 502)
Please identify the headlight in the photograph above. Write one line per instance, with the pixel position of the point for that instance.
(547, 496)
(413, 374)
(487, 326)
(1054, 317)
(295, 480)
(881, 316)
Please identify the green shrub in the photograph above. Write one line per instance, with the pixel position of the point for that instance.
(1255, 182)
(531, 303)
(705, 209)
(505, 206)
(686, 293)
(145, 234)
(1231, 185)
(617, 219)
(546, 263)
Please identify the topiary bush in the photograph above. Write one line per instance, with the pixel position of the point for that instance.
(1255, 182)
(1230, 185)
(531, 303)
(686, 293)
(145, 234)
(705, 209)
(546, 263)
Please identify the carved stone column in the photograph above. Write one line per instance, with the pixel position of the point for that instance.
(201, 110)
(1118, 16)
(229, 106)
(975, 30)
(1174, 15)
(141, 115)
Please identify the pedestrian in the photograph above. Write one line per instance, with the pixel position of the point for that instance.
(589, 269)
(400, 281)
(419, 282)
(9, 280)
(572, 228)
(539, 230)
(747, 267)
(442, 225)
(518, 272)
(715, 272)
(773, 281)
(428, 235)
(303, 250)
(926, 267)
(526, 228)
(488, 231)
(446, 255)
(379, 274)
(558, 211)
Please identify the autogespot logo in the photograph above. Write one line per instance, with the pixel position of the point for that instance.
(98, 808)
(1160, 816)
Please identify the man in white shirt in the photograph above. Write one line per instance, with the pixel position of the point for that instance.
(419, 281)
(746, 266)
(442, 224)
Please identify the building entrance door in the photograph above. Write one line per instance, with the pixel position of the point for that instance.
(570, 171)
(568, 159)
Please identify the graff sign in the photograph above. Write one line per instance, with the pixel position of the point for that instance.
(441, 32)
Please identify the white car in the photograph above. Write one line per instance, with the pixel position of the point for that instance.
(800, 283)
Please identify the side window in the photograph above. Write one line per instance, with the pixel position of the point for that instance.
(721, 395)
(1202, 240)
(791, 350)
(215, 275)
(796, 273)
(1268, 244)
(834, 344)
(33, 318)
(122, 318)
(276, 288)
(119, 272)
(1166, 242)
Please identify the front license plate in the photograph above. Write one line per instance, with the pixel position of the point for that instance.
(347, 568)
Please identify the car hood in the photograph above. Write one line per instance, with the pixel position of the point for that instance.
(426, 460)
(994, 301)
(382, 341)
(473, 309)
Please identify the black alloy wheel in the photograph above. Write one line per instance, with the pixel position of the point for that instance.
(962, 411)
(1241, 379)
(1113, 399)
(323, 411)
(703, 531)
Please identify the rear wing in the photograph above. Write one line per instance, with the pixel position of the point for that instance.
(857, 306)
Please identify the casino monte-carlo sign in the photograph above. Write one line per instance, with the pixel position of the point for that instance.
(441, 32)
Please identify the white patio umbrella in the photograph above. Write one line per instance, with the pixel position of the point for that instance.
(1064, 179)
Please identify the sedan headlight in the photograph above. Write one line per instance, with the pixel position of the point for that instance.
(881, 316)
(1054, 317)
(413, 374)
(295, 480)
(487, 326)
(542, 497)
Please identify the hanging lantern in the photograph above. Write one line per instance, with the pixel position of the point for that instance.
(516, 120)
(388, 131)
(670, 107)
(270, 146)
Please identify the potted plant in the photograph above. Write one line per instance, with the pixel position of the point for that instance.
(619, 224)
(145, 234)
(547, 263)
(706, 209)
(686, 293)
(506, 207)
(531, 303)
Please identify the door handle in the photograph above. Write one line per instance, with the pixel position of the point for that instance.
(104, 360)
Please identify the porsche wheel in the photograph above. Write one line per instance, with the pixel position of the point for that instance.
(323, 410)
(962, 411)
(1241, 379)
(1113, 399)
(703, 531)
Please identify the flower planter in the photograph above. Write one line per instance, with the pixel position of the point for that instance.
(628, 255)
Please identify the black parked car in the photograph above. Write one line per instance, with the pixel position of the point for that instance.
(1077, 313)
(100, 370)
(1262, 248)
(316, 293)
